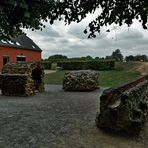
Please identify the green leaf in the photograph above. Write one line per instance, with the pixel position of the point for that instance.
(23, 5)
(27, 14)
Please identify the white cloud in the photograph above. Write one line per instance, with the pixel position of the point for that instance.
(72, 42)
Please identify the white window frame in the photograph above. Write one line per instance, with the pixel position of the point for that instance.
(20, 56)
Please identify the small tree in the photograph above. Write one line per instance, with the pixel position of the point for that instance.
(129, 58)
(117, 55)
(142, 58)
(57, 57)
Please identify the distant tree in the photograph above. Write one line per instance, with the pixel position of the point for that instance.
(129, 58)
(97, 58)
(108, 57)
(86, 58)
(117, 55)
(89, 58)
(142, 58)
(57, 57)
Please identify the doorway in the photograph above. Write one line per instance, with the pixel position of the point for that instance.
(37, 75)
(5, 59)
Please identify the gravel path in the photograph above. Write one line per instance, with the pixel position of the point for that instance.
(57, 119)
(49, 71)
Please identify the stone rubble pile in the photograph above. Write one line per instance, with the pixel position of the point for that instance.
(81, 80)
(16, 79)
(19, 68)
(17, 85)
(124, 108)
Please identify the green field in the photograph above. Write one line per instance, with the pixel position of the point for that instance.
(110, 78)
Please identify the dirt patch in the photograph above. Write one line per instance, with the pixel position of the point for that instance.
(143, 68)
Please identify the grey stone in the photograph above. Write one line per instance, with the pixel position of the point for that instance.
(81, 80)
(17, 79)
(124, 108)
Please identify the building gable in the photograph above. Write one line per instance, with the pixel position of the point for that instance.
(22, 42)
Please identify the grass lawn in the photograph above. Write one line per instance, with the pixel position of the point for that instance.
(54, 78)
(108, 78)
(116, 77)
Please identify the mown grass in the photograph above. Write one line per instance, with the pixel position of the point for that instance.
(54, 78)
(115, 78)
(110, 78)
(53, 66)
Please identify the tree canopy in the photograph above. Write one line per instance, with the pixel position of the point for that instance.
(57, 57)
(117, 55)
(16, 14)
(143, 58)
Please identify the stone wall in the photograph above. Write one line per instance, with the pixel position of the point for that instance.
(81, 80)
(17, 85)
(19, 68)
(19, 76)
(124, 108)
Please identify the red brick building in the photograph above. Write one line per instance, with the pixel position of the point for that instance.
(20, 49)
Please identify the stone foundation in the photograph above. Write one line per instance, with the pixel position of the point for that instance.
(81, 80)
(17, 85)
(124, 108)
(17, 79)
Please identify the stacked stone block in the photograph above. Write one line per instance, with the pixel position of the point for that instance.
(81, 80)
(124, 108)
(16, 79)
(17, 85)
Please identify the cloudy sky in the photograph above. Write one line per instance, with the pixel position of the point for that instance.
(70, 40)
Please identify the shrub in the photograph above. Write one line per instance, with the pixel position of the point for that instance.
(71, 65)
(46, 64)
(80, 65)
(100, 65)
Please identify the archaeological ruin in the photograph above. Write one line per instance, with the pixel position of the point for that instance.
(124, 108)
(81, 80)
(21, 79)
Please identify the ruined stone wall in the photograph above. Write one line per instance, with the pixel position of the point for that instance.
(124, 108)
(19, 68)
(16, 79)
(17, 85)
(81, 80)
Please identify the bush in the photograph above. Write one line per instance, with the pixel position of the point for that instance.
(93, 64)
(100, 65)
(46, 64)
(71, 65)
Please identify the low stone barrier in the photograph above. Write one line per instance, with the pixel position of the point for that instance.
(17, 85)
(124, 108)
(81, 80)
(21, 79)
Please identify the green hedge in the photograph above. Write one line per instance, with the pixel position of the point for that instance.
(93, 64)
(100, 65)
(46, 64)
(71, 65)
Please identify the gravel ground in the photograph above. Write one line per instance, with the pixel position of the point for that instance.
(58, 119)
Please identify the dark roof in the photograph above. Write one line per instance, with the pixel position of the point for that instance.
(22, 41)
